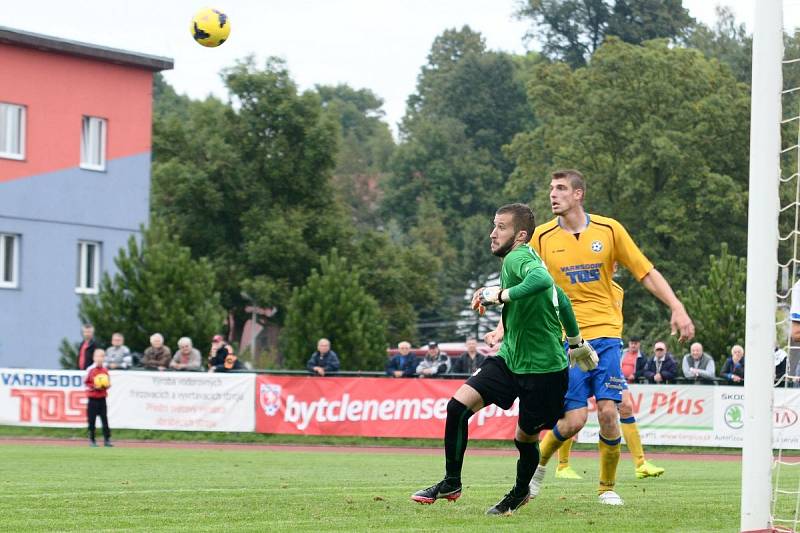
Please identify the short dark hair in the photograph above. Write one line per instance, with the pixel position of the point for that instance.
(521, 216)
(576, 179)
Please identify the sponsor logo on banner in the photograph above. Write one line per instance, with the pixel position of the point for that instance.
(270, 398)
(784, 417)
(734, 416)
(30, 397)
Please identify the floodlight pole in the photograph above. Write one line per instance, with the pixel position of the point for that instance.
(762, 264)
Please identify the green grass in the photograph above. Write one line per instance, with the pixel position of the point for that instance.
(50, 487)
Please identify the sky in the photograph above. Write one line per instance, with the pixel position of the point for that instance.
(375, 44)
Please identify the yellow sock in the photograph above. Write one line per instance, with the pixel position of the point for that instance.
(631, 433)
(550, 443)
(609, 459)
(563, 454)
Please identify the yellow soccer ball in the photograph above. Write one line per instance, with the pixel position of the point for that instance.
(210, 27)
(101, 381)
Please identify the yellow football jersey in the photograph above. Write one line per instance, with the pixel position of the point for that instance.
(583, 265)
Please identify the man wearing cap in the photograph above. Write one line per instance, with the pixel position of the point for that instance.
(633, 360)
(661, 368)
(433, 363)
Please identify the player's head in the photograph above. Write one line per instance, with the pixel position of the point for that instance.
(567, 191)
(513, 225)
(404, 347)
(99, 356)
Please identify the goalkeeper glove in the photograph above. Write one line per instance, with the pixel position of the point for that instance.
(492, 296)
(582, 354)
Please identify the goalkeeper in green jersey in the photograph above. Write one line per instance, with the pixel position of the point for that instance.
(531, 364)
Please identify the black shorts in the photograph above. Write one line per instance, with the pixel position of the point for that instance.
(541, 396)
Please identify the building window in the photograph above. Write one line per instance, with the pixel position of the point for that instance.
(88, 267)
(93, 143)
(12, 131)
(9, 261)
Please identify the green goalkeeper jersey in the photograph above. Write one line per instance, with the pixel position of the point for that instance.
(533, 315)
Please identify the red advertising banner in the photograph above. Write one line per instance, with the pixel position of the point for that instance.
(370, 407)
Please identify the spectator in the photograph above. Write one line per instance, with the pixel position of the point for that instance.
(187, 357)
(780, 365)
(633, 360)
(87, 347)
(698, 366)
(404, 364)
(733, 369)
(661, 368)
(324, 360)
(97, 384)
(158, 355)
(228, 362)
(433, 363)
(118, 355)
(218, 351)
(469, 361)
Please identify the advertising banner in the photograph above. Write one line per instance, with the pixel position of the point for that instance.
(182, 401)
(373, 407)
(42, 398)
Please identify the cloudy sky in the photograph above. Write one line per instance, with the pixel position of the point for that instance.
(377, 44)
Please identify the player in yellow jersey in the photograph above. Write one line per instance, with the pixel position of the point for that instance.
(580, 251)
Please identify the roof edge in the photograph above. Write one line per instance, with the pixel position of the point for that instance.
(76, 48)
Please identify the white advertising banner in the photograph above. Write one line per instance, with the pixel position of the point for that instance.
(42, 398)
(191, 401)
(136, 400)
(701, 415)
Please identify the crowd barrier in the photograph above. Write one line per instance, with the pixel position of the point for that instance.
(358, 406)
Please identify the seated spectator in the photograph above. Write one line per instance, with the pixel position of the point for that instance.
(187, 357)
(87, 347)
(404, 364)
(157, 356)
(324, 361)
(469, 361)
(219, 349)
(633, 360)
(433, 363)
(661, 368)
(118, 355)
(226, 360)
(733, 369)
(698, 366)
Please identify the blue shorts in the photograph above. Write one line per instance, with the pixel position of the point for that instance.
(604, 382)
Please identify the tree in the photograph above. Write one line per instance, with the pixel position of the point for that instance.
(158, 287)
(662, 135)
(727, 41)
(572, 30)
(718, 306)
(247, 184)
(334, 304)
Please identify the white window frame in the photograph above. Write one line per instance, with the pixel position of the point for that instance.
(93, 127)
(13, 283)
(6, 124)
(84, 285)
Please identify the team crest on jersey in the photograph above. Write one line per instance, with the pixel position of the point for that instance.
(597, 246)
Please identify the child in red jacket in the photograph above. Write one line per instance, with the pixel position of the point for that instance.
(97, 383)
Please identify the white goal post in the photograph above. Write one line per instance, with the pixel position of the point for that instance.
(762, 264)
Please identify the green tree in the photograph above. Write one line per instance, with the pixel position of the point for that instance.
(572, 30)
(334, 304)
(158, 287)
(718, 306)
(247, 184)
(727, 41)
(662, 135)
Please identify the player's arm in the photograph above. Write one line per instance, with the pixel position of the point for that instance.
(660, 288)
(566, 314)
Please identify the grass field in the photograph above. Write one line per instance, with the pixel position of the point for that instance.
(48, 487)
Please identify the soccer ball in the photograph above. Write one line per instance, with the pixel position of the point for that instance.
(101, 381)
(210, 27)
